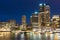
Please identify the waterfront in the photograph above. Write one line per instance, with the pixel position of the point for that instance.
(40, 26)
(29, 36)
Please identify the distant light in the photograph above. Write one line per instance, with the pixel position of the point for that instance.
(46, 35)
(39, 31)
(44, 4)
(34, 29)
(40, 4)
(36, 12)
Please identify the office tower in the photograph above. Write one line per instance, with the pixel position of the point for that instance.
(56, 21)
(23, 19)
(34, 20)
(44, 15)
(24, 22)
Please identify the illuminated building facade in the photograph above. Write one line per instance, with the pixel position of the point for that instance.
(12, 24)
(56, 21)
(34, 20)
(4, 26)
(44, 15)
(24, 22)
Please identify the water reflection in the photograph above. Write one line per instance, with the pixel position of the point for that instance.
(29, 36)
(5, 36)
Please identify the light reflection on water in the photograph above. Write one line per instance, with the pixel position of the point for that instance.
(29, 36)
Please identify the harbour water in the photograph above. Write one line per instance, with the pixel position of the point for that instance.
(29, 36)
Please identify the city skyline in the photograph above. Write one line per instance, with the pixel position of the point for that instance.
(42, 25)
(10, 9)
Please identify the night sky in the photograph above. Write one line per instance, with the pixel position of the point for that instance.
(14, 9)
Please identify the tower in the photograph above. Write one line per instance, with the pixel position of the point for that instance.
(34, 20)
(43, 15)
(24, 22)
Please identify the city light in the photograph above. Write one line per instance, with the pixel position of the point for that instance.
(46, 35)
(34, 30)
(36, 12)
(40, 25)
(40, 4)
(51, 35)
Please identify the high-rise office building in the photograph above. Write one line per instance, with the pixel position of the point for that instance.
(44, 15)
(23, 19)
(34, 20)
(24, 22)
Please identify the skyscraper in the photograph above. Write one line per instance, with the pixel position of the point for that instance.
(44, 15)
(24, 22)
(34, 20)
